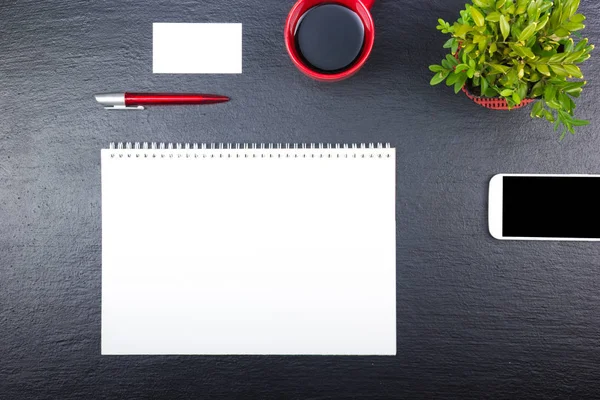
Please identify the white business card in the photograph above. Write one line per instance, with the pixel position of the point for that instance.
(189, 48)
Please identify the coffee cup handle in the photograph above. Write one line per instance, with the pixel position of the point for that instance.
(368, 3)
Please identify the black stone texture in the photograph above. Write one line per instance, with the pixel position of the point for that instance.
(477, 318)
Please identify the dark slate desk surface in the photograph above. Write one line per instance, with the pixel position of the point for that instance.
(476, 317)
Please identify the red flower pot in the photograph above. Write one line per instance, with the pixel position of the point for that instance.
(494, 103)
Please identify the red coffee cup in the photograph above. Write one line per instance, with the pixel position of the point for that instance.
(360, 7)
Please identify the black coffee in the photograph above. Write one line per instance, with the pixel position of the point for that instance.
(330, 37)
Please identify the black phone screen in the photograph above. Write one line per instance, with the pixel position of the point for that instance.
(551, 207)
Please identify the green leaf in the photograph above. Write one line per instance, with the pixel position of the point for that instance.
(573, 86)
(573, 106)
(543, 22)
(506, 92)
(516, 98)
(582, 59)
(532, 10)
(557, 124)
(460, 83)
(574, 56)
(557, 58)
(521, 6)
(500, 4)
(533, 76)
(469, 48)
(477, 17)
(543, 69)
(537, 90)
(547, 5)
(565, 116)
(568, 45)
(559, 70)
(528, 52)
(562, 32)
(517, 49)
(550, 97)
(493, 16)
(451, 60)
(500, 68)
(522, 51)
(528, 32)
(549, 116)
(439, 77)
(504, 27)
(581, 45)
(462, 30)
(553, 104)
(511, 77)
(479, 38)
(484, 85)
(572, 26)
(452, 79)
(457, 87)
(460, 68)
(520, 71)
(436, 68)
(573, 70)
(491, 92)
(570, 7)
(448, 43)
(550, 93)
(580, 122)
(481, 3)
(565, 102)
(555, 16)
(454, 46)
(537, 110)
(522, 91)
(577, 18)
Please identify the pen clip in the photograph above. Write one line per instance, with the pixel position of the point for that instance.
(124, 108)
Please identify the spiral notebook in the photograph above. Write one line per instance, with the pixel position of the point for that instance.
(248, 249)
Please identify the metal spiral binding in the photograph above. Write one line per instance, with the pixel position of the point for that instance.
(248, 150)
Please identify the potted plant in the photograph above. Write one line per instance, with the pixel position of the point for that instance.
(508, 53)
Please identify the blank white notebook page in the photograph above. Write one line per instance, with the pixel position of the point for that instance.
(248, 251)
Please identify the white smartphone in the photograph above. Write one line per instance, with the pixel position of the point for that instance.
(544, 207)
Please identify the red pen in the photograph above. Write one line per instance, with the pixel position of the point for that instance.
(137, 101)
